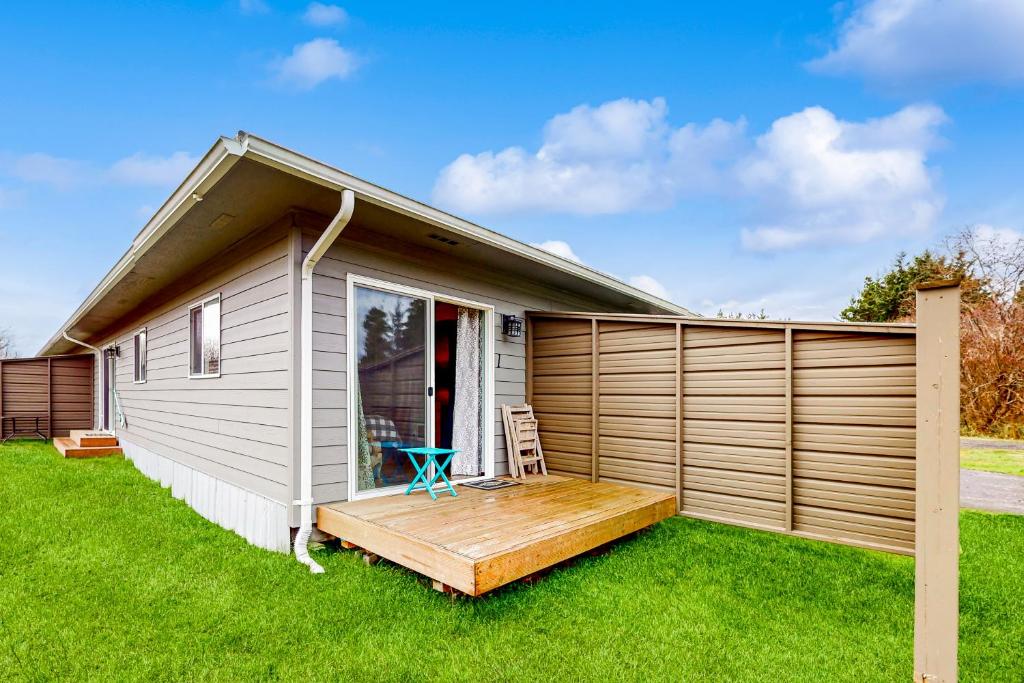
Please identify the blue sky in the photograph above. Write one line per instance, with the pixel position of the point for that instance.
(730, 155)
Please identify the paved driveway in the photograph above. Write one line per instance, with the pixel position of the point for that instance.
(968, 442)
(992, 491)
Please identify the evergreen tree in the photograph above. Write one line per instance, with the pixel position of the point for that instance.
(377, 337)
(409, 334)
(890, 296)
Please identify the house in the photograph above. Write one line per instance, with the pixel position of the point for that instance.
(274, 298)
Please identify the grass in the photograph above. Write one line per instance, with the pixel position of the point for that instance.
(103, 576)
(993, 460)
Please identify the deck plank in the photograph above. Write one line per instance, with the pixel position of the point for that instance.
(481, 540)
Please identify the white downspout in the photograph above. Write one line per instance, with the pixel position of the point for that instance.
(348, 201)
(99, 355)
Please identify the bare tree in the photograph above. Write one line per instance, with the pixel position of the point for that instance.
(994, 256)
(7, 345)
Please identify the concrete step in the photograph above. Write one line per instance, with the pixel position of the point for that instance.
(88, 438)
(67, 447)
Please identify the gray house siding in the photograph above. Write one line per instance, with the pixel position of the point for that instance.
(235, 429)
(432, 271)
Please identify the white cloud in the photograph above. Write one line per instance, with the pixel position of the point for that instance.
(812, 178)
(67, 174)
(253, 7)
(44, 168)
(1000, 238)
(818, 303)
(818, 179)
(8, 197)
(312, 63)
(558, 248)
(619, 156)
(319, 14)
(140, 169)
(649, 285)
(642, 282)
(904, 42)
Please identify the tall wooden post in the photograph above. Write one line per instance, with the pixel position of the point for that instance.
(49, 398)
(936, 597)
(595, 400)
(789, 429)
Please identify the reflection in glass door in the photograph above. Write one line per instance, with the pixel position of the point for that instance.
(391, 402)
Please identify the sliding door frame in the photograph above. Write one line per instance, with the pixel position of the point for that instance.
(352, 372)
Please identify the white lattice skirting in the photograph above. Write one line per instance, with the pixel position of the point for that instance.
(259, 520)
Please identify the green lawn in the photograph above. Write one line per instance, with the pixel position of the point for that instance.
(104, 576)
(993, 460)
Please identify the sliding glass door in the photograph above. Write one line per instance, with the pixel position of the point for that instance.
(420, 374)
(393, 378)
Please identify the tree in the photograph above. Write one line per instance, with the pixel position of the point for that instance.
(739, 315)
(377, 337)
(890, 296)
(409, 333)
(990, 264)
(7, 345)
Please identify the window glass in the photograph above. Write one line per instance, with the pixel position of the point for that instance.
(204, 338)
(196, 340)
(211, 337)
(140, 356)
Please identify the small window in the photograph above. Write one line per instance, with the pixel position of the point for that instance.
(140, 356)
(204, 338)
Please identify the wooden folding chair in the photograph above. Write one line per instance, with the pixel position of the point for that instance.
(522, 438)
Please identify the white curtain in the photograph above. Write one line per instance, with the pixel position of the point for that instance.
(467, 424)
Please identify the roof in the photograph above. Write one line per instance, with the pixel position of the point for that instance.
(221, 174)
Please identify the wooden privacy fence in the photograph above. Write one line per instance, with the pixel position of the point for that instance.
(807, 429)
(57, 389)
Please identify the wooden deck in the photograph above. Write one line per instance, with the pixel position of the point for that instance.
(481, 540)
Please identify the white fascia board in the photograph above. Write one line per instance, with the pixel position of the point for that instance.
(211, 168)
(298, 164)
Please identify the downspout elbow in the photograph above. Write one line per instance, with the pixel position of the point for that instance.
(305, 501)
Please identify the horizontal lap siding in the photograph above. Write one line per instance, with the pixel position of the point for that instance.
(562, 394)
(25, 392)
(235, 427)
(854, 437)
(57, 390)
(636, 404)
(436, 273)
(814, 437)
(72, 386)
(734, 421)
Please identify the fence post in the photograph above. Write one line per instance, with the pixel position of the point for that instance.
(49, 398)
(595, 400)
(936, 597)
(789, 429)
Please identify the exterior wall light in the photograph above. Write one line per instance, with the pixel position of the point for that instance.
(511, 326)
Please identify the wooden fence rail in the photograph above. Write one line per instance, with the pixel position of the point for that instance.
(56, 389)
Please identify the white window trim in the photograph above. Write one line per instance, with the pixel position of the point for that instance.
(353, 376)
(220, 327)
(145, 356)
(104, 369)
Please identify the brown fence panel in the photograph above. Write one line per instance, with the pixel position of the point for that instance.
(59, 390)
(853, 437)
(562, 382)
(636, 441)
(72, 402)
(799, 428)
(734, 427)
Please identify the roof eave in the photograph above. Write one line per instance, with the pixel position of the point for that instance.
(316, 171)
(211, 168)
(225, 152)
